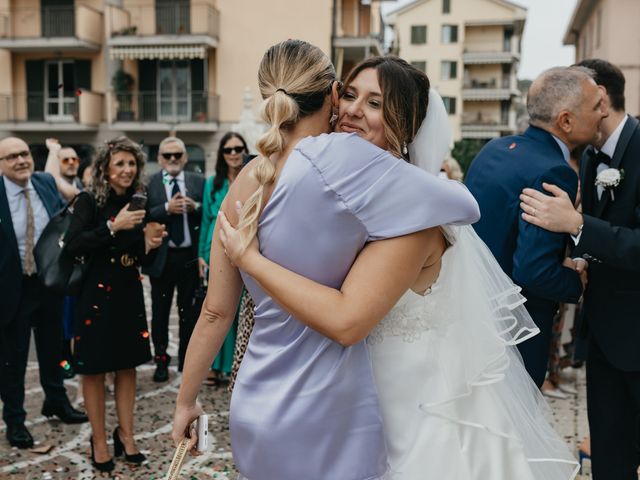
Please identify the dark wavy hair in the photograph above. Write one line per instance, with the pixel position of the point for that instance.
(222, 169)
(100, 186)
(405, 98)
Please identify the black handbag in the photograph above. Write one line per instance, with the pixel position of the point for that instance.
(57, 270)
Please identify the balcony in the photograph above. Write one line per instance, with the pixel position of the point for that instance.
(150, 111)
(487, 124)
(488, 90)
(489, 57)
(37, 112)
(29, 29)
(178, 30)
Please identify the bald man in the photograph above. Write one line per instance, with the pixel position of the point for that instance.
(27, 201)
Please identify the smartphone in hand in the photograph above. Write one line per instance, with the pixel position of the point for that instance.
(138, 202)
(202, 429)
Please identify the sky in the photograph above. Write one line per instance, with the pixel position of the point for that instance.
(544, 29)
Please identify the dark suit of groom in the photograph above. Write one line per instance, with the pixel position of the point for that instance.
(610, 241)
(531, 256)
(176, 264)
(26, 304)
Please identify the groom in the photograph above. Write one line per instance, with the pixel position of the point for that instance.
(608, 235)
(565, 108)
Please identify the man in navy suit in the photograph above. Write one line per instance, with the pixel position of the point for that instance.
(27, 202)
(607, 234)
(565, 108)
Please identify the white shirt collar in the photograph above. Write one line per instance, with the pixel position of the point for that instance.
(14, 189)
(179, 177)
(563, 147)
(609, 146)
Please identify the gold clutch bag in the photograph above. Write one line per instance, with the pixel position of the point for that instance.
(178, 459)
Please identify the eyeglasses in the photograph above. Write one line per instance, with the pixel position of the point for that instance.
(12, 157)
(169, 155)
(229, 150)
(70, 160)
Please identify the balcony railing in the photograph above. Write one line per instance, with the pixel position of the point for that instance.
(195, 106)
(58, 21)
(28, 24)
(176, 19)
(84, 108)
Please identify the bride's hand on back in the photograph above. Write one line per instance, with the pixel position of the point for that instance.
(232, 241)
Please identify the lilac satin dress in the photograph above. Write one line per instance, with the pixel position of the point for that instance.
(303, 406)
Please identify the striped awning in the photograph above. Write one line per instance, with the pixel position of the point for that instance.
(154, 52)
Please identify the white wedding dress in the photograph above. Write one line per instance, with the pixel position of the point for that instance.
(456, 401)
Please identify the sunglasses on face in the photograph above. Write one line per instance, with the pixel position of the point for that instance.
(12, 157)
(169, 155)
(229, 150)
(70, 160)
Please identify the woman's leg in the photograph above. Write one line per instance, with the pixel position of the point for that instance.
(93, 391)
(125, 393)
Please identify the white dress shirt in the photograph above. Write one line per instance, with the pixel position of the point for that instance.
(18, 207)
(609, 149)
(168, 187)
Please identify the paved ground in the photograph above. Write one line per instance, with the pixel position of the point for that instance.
(70, 457)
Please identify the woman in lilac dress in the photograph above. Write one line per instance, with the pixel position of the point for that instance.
(304, 406)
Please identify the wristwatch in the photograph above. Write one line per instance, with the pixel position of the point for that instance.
(110, 227)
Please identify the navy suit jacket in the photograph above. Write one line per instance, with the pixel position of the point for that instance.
(10, 264)
(611, 243)
(531, 256)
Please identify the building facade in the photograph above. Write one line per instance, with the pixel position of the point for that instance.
(608, 29)
(470, 49)
(84, 71)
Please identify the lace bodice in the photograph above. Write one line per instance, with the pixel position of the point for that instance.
(413, 315)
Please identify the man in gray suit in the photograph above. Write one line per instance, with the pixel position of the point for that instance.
(174, 199)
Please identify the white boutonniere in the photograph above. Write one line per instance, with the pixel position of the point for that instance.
(610, 179)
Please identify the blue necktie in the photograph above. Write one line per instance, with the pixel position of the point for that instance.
(176, 227)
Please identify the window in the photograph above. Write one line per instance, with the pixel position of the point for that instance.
(450, 105)
(420, 65)
(446, 6)
(418, 34)
(507, 39)
(449, 34)
(448, 70)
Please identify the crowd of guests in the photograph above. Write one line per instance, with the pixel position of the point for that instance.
(103, 331)
(577, 245)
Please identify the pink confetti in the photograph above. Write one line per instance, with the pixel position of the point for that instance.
(87, 322)
(100, 285)
(108, 288)
(145, 334)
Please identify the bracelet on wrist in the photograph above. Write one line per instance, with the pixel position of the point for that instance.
(112, 232)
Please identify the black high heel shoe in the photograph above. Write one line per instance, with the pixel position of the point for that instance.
(118, 449)
(107, 466)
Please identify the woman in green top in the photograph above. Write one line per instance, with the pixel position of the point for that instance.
(229, 162)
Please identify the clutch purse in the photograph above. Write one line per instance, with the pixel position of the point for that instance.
(178, 459)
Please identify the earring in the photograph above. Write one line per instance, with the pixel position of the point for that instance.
(405, 150)
(333, 119)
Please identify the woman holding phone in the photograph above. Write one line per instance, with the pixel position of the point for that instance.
(110, 325)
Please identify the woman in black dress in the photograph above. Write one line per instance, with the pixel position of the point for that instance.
(110, 326)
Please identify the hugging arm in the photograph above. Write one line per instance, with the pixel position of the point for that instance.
(537, 260)
(381, 274)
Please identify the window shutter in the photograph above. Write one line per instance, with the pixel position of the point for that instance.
(147, 101)
(35, 90)
(82, 74)
(198, 90)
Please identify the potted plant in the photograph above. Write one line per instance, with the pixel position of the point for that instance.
(122, 83)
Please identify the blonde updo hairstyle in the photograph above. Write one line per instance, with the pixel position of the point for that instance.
(295, 78)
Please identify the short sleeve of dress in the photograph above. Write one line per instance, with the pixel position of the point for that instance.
(388, 196)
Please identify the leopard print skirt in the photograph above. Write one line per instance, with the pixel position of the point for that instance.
(245, 326)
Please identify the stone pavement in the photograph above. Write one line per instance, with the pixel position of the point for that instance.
(69, 460)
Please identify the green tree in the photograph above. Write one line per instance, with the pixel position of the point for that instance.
(465, 150)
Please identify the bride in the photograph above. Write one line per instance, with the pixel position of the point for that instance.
(455, 398)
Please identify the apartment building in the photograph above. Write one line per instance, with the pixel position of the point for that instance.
(470, 49)
(608, 29)
(84, 71)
